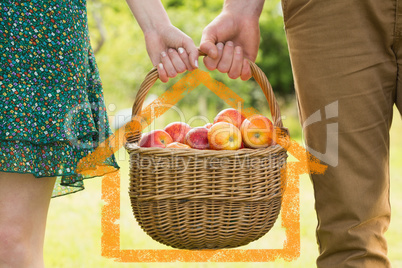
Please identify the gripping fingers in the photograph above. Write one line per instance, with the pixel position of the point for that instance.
(172, 63)
(184, 57)
(168, 65)
(246, 71)
(162, 73)
(212, 63)
(227, 57)
(237, 63)
(176, 60)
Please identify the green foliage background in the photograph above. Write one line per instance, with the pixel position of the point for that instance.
(73, 236)
(123, 59)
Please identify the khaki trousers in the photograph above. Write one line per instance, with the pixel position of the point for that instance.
(346, 58)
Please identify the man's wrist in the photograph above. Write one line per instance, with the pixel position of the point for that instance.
(246, 9)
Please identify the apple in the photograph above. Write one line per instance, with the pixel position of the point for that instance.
(242, 145)
(257, 131)
(231, 116)
(155, 138)
(177, 130)
(208, 125)
(224, 136)
(197, 138)
(177, 145)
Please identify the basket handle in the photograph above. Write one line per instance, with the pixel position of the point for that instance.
(256, 72)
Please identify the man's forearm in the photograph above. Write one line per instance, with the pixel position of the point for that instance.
(250, 8)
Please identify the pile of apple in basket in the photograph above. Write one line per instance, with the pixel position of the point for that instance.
(230, 130)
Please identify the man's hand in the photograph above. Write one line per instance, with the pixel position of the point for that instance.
(232, 38)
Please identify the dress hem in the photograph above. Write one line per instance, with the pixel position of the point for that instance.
(75, 188)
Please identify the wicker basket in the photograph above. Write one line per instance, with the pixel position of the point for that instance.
(206, 199)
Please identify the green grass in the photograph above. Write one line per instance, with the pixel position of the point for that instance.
(73, 237)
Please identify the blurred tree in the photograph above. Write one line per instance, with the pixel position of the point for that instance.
(274, 55)
(100, 33)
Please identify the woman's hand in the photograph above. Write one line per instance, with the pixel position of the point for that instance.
(171, 50)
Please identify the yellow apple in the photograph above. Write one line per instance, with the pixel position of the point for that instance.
(224, 136)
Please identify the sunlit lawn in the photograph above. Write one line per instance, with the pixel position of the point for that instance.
(73, 236)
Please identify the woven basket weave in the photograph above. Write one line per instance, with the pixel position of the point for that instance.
(206, 199)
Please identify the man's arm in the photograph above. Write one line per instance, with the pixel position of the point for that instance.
(233, 36)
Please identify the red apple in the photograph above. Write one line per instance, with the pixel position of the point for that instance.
(197, 138)
(257, 131)
(177, 145)
(224, 136)
(177, 130)
(155, 138)
(231, 116)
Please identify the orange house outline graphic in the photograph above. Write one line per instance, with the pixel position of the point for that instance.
(290, 211)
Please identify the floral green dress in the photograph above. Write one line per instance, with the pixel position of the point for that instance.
(52, 111)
